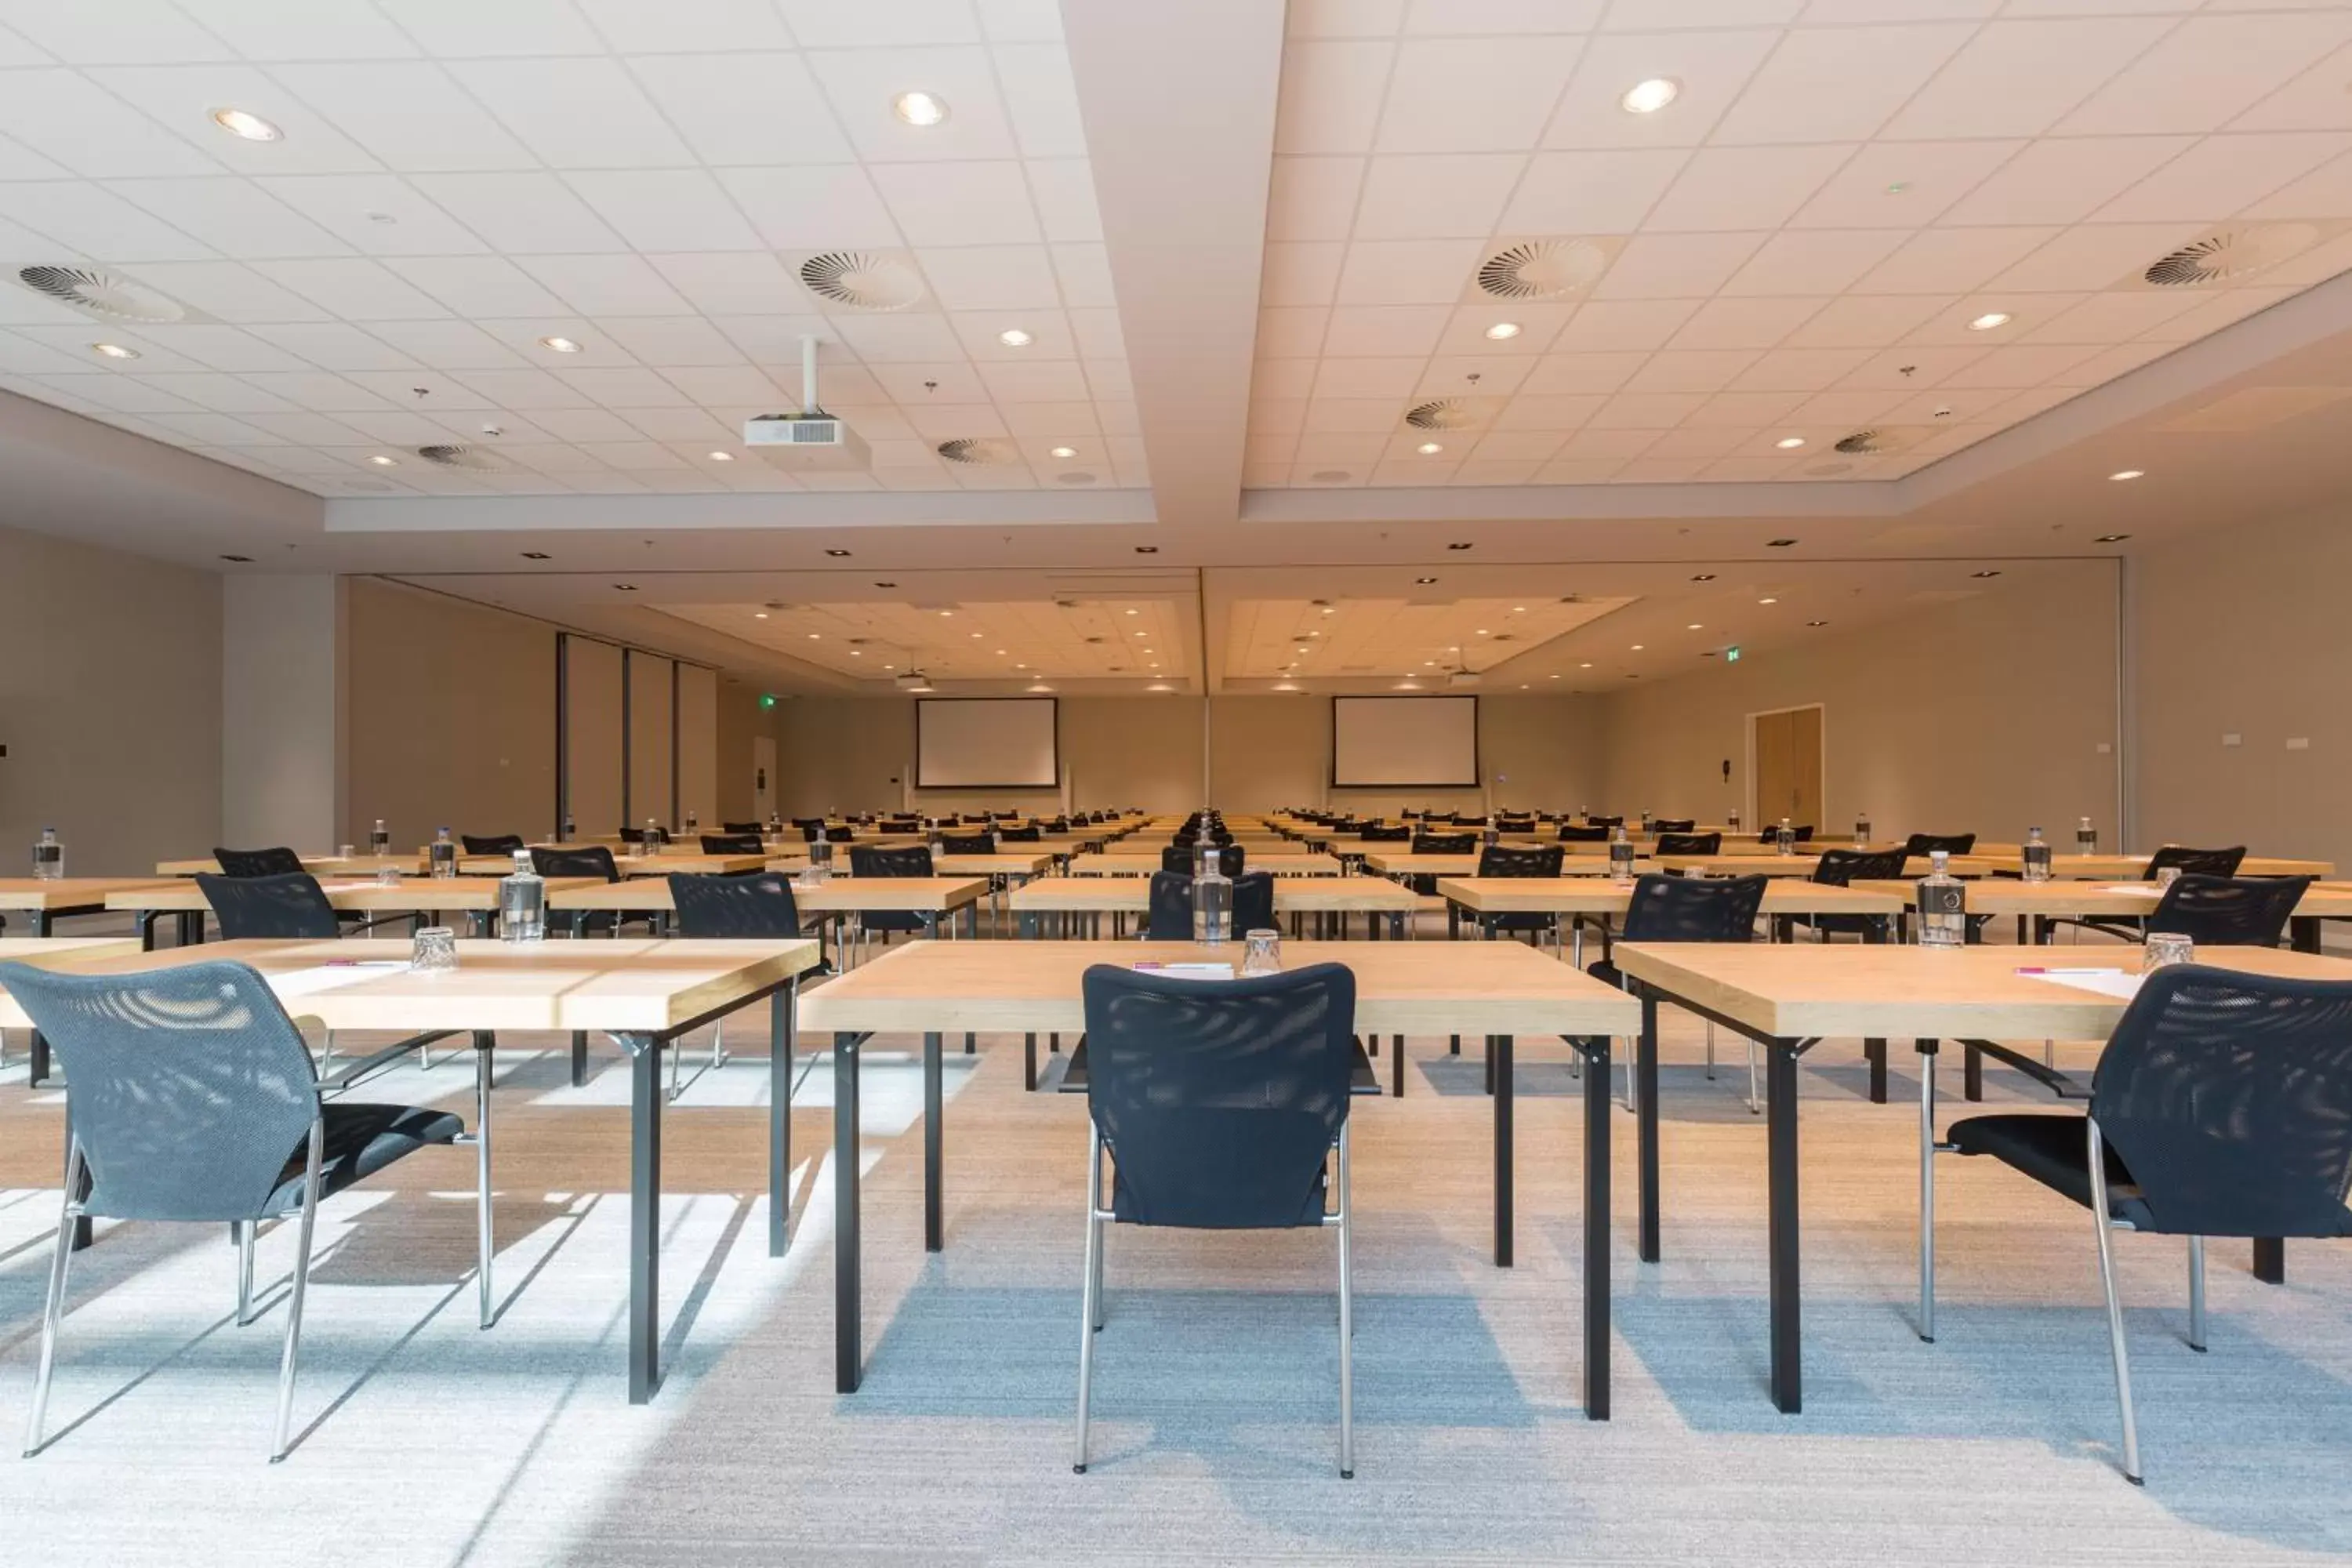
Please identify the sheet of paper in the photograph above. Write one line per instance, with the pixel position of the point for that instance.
(2131, 887)
(2105, 982)
(1186, 970)
(331, 976)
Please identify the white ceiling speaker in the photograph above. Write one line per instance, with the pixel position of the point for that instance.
(863, 279)
(974, 451)
(1544, 269)
(101, 293)
(468, 457)
(811, 441)
(2228, 255)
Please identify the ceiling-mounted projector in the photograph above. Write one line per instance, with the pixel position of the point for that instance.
(913, 680)
(810, 440)
(1462, 677)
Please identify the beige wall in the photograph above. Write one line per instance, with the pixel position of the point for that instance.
(742, 720)
(110, 707)
(452, 717)
(2239, 630)
(283, 664)
(1984, 715)
(1275, 751)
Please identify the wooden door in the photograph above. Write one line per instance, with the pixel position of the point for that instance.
(1789, 767)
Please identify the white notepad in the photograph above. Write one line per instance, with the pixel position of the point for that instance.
(1185, 971)
(2105, 982)
(331, 976)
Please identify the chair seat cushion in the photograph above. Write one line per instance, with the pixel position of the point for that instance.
(361, 1141)
(2052, 1150)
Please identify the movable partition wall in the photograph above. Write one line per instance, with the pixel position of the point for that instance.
(637, 737)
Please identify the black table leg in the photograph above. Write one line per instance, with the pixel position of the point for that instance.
(37, 1071)
(1029, 1060)
(2270, 1260)
(1875, 1052)
(934, 1146)
(1498, 1055)
(1596, 1229)
(645, 1097)
(578, 1057)
(783, 1026)
(848, 1351)
(1781, 1133)
(1396, 1066)
(1645, 1125)
(2302, 932)
(1972, 1073)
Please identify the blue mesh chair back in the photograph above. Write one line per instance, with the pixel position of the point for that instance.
(732, 844)
(1573, 833)
(1688, 908)
(1185, 857)
(1502, 860)
(575, 860)
(1445, 844)
(877, 860)
(1515, 824)
(1253, 902)
(1604, 821)
(1684, 843)
(2202, 862)
(1169, 916)
(2229, 912)
(193, 1094)
(810, 831)
(632, 835)
(1843, 868)
(1032, 834)
(274, 862)
(840, 835)
(967, 844)
(1925, 844)
(287, 907)
(1462, 821)
(1220, 1100)
(1803, 833)
(1663, 824)
(752, 828)
(495, 844)
(1377, 834)
(748, 908)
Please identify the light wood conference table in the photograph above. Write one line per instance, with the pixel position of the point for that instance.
(1372, 896)
(1500, 990)
(1117, 863)
(642, 994)
(1788, 998)
(46, 900)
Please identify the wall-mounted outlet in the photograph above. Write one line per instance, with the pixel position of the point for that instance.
(2298, 742)
(2231, 738)
(2105, 748)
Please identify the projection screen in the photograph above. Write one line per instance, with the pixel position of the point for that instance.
(1404, 742)
(986, 742)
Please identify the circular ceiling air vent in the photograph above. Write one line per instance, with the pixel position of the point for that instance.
(2230, 254)
(976, 451)
(1542, 269)
(1443, 413)
(1864, 442)
(862, 279)
(100, 292)
(472, 457)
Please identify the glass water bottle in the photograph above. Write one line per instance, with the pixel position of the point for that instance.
(2036, 856)
(523, 903)
(442, 855)
(1943, 918)
(48, 856)
(1213, 898)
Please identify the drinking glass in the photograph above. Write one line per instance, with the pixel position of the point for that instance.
(2163, 947)
(1263, 951)
(387, 876)
(344, 851)
(435, 952)
(2166, 876)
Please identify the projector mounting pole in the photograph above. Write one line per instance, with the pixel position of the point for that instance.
(809, 405)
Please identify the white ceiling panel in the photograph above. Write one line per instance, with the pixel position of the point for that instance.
(520, 213)
(412, 115)
(70, 120)
(2065, 181)
(687, 26)
(1713, 66)
(744, 108)
(1744, 187)
(606, 285)
(575, 114)
(1331, 94)
(461, 28)
(375, 215)
(2019, 78)
(1602, 191)
(1414, 196)
(353, 288)
(301, 29)
(1838, 84)
(977, 203)
(2206, 71)
(94, 221)
(1474, 95)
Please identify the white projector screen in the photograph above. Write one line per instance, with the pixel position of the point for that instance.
(1404, 742)
(987, 742)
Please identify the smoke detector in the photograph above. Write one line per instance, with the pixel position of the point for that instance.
(2228, 255)
(863, 279)
(1543, 268)
(98, 293)
(977, 451)
(470, 457)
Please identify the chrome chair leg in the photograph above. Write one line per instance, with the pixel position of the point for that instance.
(1346, 1324)
(719, 1045)
(2098, 1160)
(485, 1242)
(1088, 1322)
(68, 1213)
(243, 1228)
(677, 1049)
(2197, 1293)
(1927, 1198)
(1755, 1097)
(326, 1052)
(294, 1298)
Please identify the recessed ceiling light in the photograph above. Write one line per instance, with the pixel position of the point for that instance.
(1637, 647)
(1065, 451)
(889, 667)
(1147, 549)
(921, 109)
(1702, 576)
(2111, 539)
(1817, 623)
(722, 457)
(946, 612)
(978, 634)
(1015, 338)
(1551, 678)
(252, 127)
(114, 351)
(535, 555)
(856, 653)
(1428, 449)
(837, 555)
(1584, 666)
(1790, 442)
(816, 636)
(380, 461)
(1502, 332)
(1135, 612)
(1650, 96)
(2128, 474)
(1457, 547)
(626, 587)
(1779, 543)
(1424, 582)
(999, 653)
(1482, 631)
(560, 345)
(1984, 574)
(758, 615)
(1989, 320)
(1768, 601)
(1695, 626)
